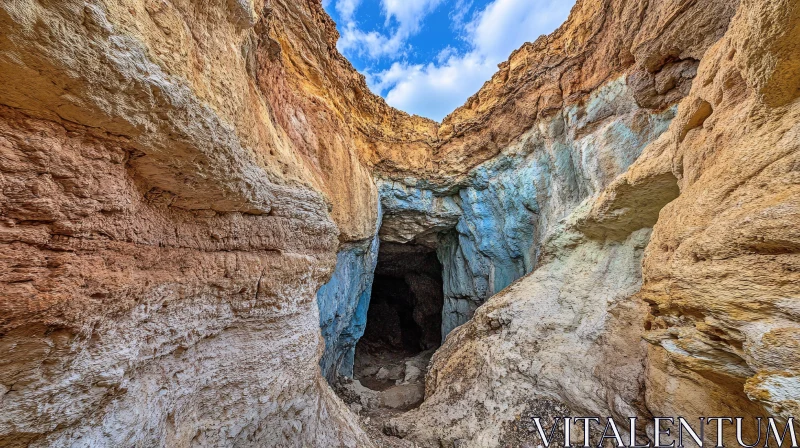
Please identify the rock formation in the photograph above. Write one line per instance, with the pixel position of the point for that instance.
(164, 234)
(712, 299)
(193, 197)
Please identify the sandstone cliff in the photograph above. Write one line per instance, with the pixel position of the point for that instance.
(719, 271)
(193, 196)
(163, 233)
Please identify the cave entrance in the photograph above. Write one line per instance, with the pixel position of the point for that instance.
(404, 320)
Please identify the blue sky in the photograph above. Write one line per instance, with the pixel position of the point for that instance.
(427, 57)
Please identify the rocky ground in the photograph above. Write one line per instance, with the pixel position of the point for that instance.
(387, 382)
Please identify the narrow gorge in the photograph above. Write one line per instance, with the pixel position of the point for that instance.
(212, 234)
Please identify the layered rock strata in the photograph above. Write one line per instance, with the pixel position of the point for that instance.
(559, 121)
(721, 271)
(489, 227)
(164, 234)
(698, 330)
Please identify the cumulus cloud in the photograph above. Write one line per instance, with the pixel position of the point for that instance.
(346, 9)
(504, 25)
(408, 13)
(371, 44)
(435, 89)
(403, 20)
(458, 14)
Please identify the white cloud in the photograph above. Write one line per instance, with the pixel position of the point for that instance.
(459, 13)
(435, 89)
(408, 13)
(504, 25)
(403, 19)
(372, 44)
(346, 9)
(445, 54)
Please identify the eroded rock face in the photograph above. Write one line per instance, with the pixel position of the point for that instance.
(717, 314)
(571, 332)
(490, 230)
(127, 319)
(164, 235)
(343, 303)
(501, 177)
(721, 271)
(602, 40)
(193, 196)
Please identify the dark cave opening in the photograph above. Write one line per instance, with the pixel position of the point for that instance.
(404, 318)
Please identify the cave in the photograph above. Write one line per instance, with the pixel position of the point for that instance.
(404, 318)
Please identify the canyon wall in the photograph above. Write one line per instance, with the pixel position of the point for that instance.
(490, 226)
(343, 303)
(721, 271)
(193, 196)
(168, 215)
(559, 121)
(705, 324)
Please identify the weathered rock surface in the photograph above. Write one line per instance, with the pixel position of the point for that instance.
(563, 118)
(657, 44)
(721, 271)
(569, 332)
(718, 272)
(343, 303)
(508, 205)
(125, 319)
(164, 233)
(193, 195)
